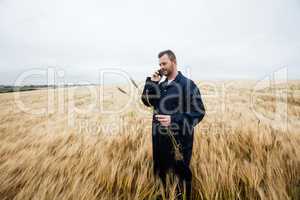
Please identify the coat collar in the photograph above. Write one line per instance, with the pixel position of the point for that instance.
(177, 79)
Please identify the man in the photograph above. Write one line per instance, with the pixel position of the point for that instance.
(178, 108)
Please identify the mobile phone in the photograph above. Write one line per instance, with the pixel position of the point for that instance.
(160, 71)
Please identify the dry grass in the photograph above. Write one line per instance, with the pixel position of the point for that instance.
(235, 156)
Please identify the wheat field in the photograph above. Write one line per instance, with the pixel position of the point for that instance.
(94, 142)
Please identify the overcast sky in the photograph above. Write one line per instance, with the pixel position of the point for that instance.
(213, 39)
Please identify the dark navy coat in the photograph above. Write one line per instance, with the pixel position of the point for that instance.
(181, 99)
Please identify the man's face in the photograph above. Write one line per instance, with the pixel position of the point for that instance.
(166, 65)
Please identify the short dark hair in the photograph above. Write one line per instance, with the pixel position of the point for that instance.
(169, 53)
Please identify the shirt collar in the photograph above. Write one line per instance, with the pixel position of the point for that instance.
(177, 78)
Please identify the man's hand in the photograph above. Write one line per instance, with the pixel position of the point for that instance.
(165, 120)
(156, 77)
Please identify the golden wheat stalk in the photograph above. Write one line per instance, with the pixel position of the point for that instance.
(177, 147)
(121, 90)
(134, 83)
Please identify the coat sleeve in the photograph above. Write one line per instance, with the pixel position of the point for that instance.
(195, 110)
(150, 95)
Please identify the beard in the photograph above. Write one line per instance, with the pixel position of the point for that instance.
(168, 71)
(165, 72)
